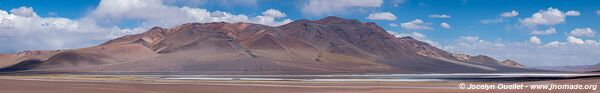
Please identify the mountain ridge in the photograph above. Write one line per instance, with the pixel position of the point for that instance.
(328, 45)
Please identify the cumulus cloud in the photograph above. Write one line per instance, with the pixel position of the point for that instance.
(28, 31)
(470, 39)
(535, 40)
(185, 2)
(24, 30)
(416, 35)
(472, 42)
(225, 3)
(583, 32)
(572, 13)
(23, 11)
(550, 16)
(155, 13)
(324, 7)
(544, 32)
(445, 25)
(382, 16)
(411, 34)
(555, 44)
(512, 13)
(416, 24)
(592, 42)
(274, 13)
(574, 40)
(439, 16)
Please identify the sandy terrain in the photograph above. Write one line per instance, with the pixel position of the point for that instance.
(39, 86)
(138, 85)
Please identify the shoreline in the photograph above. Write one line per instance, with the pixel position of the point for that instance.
(128, 84)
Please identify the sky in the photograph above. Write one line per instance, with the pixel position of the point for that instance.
(531, 32)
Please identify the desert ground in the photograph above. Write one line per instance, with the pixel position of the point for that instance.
(132, 84)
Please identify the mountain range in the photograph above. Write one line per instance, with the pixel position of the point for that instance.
(326, 46)
(576, 68)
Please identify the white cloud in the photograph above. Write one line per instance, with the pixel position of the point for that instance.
(185, 2)
(416, 35)
(25, 31)
(439, 16)
(24, 11)
(221, 3)
(325, 7)
(555, 44)
(574, 40)
(555, 53)
(572, 13)
(544, 32)
(155, 13)
(504, 15)
(551, 16)
(473, 41)
(151, 12)
(393, 25)
(382, 16)
(416, 24)
(583, 32)
(31, 32)
(470, 39)
(274, 13)
(535, 40)
(592, 42)
(445, 25)
(512, 13)
(411, 34)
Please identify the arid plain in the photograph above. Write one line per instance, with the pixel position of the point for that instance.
(133, 84)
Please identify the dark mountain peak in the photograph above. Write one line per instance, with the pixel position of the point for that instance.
(156, 28)
(196, 25)
(414, 42)
(407, 38)
(509, 60)
(337, 20)
(333, 18)
(214, 24)
(483, 58)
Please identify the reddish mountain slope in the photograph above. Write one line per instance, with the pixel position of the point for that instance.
(325, 46)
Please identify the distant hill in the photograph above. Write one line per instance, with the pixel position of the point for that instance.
(578, 68)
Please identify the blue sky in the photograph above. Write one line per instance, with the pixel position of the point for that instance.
(562, 32)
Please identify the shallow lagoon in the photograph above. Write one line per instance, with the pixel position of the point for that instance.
(508, 77)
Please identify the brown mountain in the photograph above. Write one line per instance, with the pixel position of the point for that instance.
(482, 59)
(512, 63)
(325, 46)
